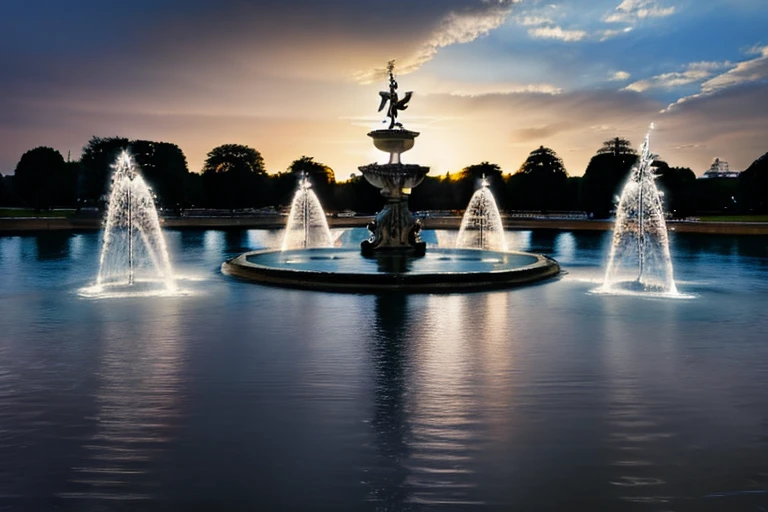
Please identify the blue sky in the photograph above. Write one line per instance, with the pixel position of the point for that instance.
(493, 79)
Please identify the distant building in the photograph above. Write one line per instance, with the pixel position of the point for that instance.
(719, 169)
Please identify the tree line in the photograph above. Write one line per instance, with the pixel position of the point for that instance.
(234, 177)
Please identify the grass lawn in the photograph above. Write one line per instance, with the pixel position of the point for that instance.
(734, 218)
(30, 212)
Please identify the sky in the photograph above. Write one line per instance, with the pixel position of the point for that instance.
(492, 79)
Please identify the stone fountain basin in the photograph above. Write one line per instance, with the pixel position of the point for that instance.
(394, 176)
(346, 270)
(393, 141)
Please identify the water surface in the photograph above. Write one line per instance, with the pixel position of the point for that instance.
(237, 396)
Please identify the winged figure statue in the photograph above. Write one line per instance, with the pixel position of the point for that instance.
(391, 96)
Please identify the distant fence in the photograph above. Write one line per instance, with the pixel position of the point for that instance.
(564, 215)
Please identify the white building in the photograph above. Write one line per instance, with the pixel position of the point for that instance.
(719, 169)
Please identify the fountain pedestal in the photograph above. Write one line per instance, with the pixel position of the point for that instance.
(394, 228)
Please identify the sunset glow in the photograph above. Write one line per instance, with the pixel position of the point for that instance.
(492, 80)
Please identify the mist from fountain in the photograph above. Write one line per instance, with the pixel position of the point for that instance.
(133, 251)
(639, 258)
(307, 226)
(481, 226)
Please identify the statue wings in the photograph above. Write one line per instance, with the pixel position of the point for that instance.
(385, 97)
(402, 104)
(399, 105)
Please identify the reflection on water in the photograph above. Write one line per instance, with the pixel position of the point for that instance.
(247, 397)
(543, 240)
(136, 412)
(393, 263)
(53, 245)
(565, 246)
(389, 354)
(446, 419)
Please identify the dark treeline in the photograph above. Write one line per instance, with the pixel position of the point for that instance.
(234, 177)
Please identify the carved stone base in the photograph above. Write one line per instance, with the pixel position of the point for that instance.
(394, 228)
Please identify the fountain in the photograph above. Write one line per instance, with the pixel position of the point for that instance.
(394, 227)
(393, 257)
(133, 252)
(481, 226)
(639, 258)
(307, 226)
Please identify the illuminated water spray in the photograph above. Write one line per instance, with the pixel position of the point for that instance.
(307, 226)
(639, 256)
(481, 226)
(134, 248)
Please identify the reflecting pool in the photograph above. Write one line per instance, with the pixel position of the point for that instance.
(235, 396)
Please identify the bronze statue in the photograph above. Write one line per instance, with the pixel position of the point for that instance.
(395, 104)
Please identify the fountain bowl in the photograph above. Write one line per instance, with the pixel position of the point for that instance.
(394, 177)
(346, 270)
(393, 141)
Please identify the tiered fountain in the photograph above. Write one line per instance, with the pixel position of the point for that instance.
(394, 257)
(639, 259)
(481, 226)
(134, 257)
(394, 228)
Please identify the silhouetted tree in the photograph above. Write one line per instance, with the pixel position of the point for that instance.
(96, 167)
(540, 183)
(605, 175)
(234, 177)
(677, 184)
(753, 186)
(164, 167)
(617, 147)
(281, 187)
(234, 157)
(358, 195)
(469, 180)
(476, 172)
(439, 193)
(545, 163)
(571, 199)
(8, 196)
(716, 195)
(36, 175)
(320, 175)
(193, 190)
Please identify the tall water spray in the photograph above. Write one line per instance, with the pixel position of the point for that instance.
(481, 226)
(134, 248)
(307, 226)
(639, 256)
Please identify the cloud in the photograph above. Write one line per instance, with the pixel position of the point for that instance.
(632, 11)
(454, 88)
(620, 76)
(236, 57)
(557, 33)
(533, 21)
(681, 147)
(729, 123)
(755, 50)
(694, 72)
(602, 128)
(546, 22)
(611, 33)
(456, 27)
(544, 26)
(540, 133)
(750, 71)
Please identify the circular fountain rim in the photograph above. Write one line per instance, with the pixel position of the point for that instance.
(418, 282)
